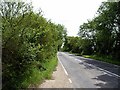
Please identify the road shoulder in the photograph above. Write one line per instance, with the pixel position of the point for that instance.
(59, 79)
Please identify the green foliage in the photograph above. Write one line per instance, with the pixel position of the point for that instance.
(99, 36)
(71, 44)
(28, 41)
(103, 30)
(78, 45)
(38, 76)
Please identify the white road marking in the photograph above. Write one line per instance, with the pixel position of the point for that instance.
(70, 80)
(109, 73)
(90, 64)
(105, 71)
(98, 81)
(63, 66)
(96, 77)
(78, 60)
(64, 70)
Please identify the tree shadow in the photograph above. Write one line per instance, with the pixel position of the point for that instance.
(86, 65)
(106, 66)
(107, 81)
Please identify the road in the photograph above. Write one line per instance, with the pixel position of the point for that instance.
(89, 73)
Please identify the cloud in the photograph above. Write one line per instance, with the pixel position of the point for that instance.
(71, 13)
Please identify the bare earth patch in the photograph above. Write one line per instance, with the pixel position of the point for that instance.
(59, 79)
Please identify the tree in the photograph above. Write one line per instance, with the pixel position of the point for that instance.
(103, 30)
(29, 40)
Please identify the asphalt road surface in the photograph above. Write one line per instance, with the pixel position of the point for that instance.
(89, 73)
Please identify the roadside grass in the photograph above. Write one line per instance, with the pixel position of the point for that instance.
(38, 76)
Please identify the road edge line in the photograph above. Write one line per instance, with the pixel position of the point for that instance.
(62, 66)
(64, 69)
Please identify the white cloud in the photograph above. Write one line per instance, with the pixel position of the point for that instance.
(71, 13)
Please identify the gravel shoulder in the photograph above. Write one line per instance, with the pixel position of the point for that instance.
(59, 79)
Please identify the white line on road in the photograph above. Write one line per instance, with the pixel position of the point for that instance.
(70, 80)
(64, 70)
(110, 73)
(105, 71)
(62, 66)
(78, 60)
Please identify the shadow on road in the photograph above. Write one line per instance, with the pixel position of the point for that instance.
(86, 66)
(110, 67)
(107, 81)
(92, 72)
(105, 66)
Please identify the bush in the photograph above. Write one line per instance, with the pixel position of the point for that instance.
(29, 41)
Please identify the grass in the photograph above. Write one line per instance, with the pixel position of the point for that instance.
(37, 76)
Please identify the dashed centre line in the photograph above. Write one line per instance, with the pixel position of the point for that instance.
(70, 80)
(78, 60)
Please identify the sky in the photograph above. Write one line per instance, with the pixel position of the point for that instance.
(70, 13)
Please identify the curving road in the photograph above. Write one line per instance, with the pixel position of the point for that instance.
(89, 73)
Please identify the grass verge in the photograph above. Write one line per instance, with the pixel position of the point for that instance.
(38, 76)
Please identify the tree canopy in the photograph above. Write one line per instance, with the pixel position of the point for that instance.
(28, 40)
(101, 35)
